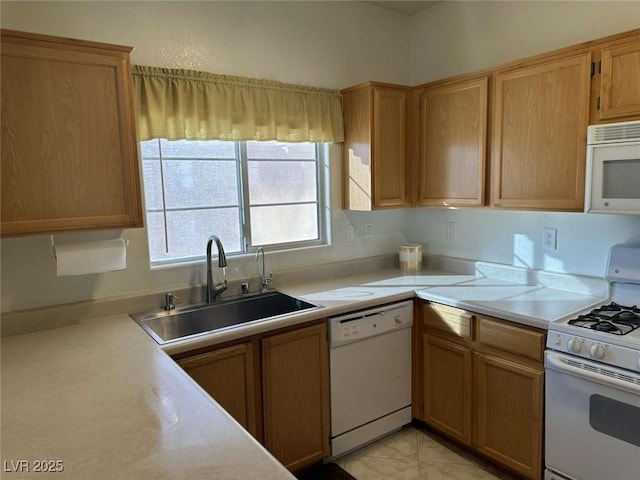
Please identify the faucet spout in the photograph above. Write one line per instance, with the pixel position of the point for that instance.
(214, 290)
(264, 278)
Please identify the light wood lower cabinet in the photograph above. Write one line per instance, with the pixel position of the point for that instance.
(295, 378)
(228, 376)
(509, 413)
(277, 387)
(447, 387)
(482, 385)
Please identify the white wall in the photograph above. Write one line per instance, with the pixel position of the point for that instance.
(325, 44)
(515, 238)
(451, 38)
(454, 37)
(334, 45)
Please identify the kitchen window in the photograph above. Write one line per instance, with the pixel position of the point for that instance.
(251, 194)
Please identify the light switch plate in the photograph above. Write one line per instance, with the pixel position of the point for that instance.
(368, 230)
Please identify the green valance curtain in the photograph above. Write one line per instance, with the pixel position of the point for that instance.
(185, 104)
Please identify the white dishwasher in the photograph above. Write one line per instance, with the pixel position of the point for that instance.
(370, 361)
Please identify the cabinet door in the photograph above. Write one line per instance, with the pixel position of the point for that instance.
(620, 82)
(389, 147)
(228, 376)
(452, 152)
(295, 378)
(539, 136)
(69, 152)
(509, 414)
(357, 109)
(447, 387)
(375, 151)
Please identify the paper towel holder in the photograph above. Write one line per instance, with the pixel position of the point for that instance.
(52, 245)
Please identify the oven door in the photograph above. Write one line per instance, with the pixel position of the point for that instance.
(592, 419)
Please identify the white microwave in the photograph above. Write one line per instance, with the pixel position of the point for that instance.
(613, 168)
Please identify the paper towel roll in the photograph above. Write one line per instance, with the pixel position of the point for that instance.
(92, 257)
(410, 258)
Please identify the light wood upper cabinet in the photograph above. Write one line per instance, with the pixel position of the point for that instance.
(69, 152)
(295, 377)
(518, 129)
(228, 375)
(620, 81)
(375, 148)
(539, 134)
(452, 132)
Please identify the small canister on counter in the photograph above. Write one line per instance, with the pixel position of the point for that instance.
(411, 258)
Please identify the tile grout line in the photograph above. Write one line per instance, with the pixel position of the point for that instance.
(413, 439)
(415, 431)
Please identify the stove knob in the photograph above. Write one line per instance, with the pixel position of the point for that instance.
(574, 345)
(597, 351)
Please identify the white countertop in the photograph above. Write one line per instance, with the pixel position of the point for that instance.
(104, 399)
(532, 305)
(527, 304)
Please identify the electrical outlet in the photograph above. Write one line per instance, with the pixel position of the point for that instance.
(348, 234)
(451, 231)
(368, 230)
(549, 239)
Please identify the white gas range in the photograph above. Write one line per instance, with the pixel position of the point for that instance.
(592, 382)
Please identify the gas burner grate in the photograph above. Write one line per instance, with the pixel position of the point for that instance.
(614, 307)
(613, 318)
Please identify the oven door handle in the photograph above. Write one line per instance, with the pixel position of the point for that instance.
(611, 377)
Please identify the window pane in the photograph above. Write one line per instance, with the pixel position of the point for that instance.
(156, 234)
(152, 184)
(282, 182)
(195, 189)
(189, 231)
(284, 223)
(281, 151)
(197, 149)
(150, 149)
(200, 183)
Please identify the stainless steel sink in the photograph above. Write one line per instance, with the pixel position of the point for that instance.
(178, 324)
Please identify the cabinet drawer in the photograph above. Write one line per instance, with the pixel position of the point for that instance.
(449, 320)
(510, 338)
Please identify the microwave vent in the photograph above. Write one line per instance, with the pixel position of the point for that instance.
(613, 132)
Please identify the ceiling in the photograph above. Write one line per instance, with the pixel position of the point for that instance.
(408, 8)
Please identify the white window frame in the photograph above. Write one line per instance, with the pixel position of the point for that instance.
(247, 247)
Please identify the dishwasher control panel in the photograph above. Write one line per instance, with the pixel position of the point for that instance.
(368, 323)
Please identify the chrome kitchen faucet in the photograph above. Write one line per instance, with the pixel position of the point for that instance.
(264, 278)
(214, 290)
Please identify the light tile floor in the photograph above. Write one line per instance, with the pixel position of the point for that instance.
(413, 454)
